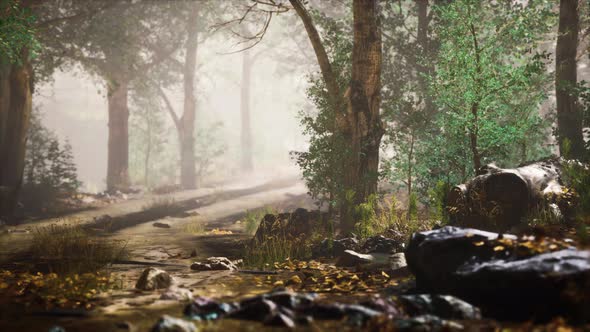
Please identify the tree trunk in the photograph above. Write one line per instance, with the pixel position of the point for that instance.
(118, 148)
(569, 117)
(188, 177)
(322, 56)
(16, 87)
(364, 129)
(423, 64)
(246, 134)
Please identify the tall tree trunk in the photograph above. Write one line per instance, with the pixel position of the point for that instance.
(322, 56)
(569, 116)
(188, 177)
(118, 146)
(247, 164)
(365, 129)
(16, 87)
(423, 63)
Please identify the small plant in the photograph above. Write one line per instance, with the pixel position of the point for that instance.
(276, 249)
(195, 227)
(71, 249)
(161, 206)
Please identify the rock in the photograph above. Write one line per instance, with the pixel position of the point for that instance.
(56, 329)
(352, 258)
(544, 286)
(193, 253)
(206, 309)
(334, 248)
(434, 256)
(153, 278)
(504, 281)
(426, 323)
(171, 324)
(285, 299)
(177, 294)
(382, 244)
(280, 320)
(160, 225)
(215, 264)
(443, 306)
(384, 305)
(255, 310)
(336, 311)
(293, 225)
(397, 261)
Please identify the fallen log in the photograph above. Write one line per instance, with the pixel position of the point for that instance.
(499, 199)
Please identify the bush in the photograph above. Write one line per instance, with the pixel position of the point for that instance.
(50, 175)
(70, 249)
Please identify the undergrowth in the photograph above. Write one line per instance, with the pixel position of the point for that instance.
(69, 249)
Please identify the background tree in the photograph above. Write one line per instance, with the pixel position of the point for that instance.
(119, 43)
(17, 46)
(569, 115)
(488, 83)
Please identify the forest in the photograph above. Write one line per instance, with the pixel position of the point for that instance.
(241, 165)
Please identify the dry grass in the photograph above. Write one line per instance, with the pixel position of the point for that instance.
(195, 226)
(161, 205)
(68, 249)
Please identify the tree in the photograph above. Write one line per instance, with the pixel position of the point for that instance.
(363, 129)
(569, 115)
(488, 84)
(17, 46)
(120, 43)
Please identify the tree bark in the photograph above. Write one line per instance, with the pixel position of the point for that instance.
(118, 145)
(188, 177)
(16, 88)
(569, 116)
(321, 55)
(247, 164)
(425, 51)
(365, 128)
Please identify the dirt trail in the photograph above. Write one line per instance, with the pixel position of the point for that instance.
(171, 246)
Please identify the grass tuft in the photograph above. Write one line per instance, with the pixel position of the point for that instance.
(68, 249)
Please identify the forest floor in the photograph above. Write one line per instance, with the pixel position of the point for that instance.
(223, 234)
(215, 227)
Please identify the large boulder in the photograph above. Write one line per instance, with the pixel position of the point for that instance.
(507, 277)
(498, 198)
(295, 225)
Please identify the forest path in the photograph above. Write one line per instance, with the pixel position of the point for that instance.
(172, 247)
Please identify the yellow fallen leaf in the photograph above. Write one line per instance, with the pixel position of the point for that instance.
(499, 248)
(295, 280)
(479, 244)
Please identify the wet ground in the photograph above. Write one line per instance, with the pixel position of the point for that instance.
(169, 248)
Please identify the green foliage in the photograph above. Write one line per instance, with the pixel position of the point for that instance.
(488, 83)
(17, 32)
(366, 218)
(487, 87)
(438, 201)
(323, 164)
(50, 172)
